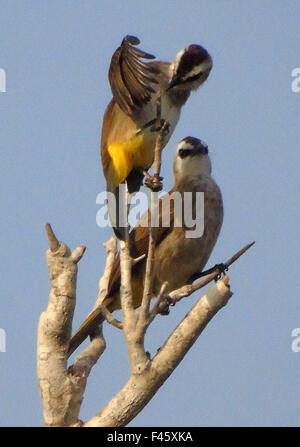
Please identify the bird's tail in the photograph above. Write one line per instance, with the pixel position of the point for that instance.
(117, 201)
(87, 328)
(135, 180)
(117, 209)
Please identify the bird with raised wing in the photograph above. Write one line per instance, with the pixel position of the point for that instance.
(145, 96)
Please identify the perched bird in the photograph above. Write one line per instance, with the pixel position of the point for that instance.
(130, 122)
(178, 259)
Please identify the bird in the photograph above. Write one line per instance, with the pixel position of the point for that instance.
(133, 116)
(178, 259)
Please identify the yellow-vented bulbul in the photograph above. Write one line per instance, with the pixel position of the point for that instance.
(178, 259)
(130, 128)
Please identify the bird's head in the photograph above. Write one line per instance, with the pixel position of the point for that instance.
(190, 68)
(191, 158)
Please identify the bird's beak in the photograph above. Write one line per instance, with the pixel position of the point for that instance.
(173, 83)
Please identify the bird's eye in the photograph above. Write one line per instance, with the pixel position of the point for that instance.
(184, 153)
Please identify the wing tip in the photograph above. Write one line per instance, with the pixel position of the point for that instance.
(133, 40)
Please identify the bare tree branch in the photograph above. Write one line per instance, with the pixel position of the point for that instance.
(134, 324)
(142, 387)
(135, 343)
(153, 215)
(62, 388)
(61, 393)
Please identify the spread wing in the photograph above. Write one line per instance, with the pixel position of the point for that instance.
(139, 242)
(131, 79)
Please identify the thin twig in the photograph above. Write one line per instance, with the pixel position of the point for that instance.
(147, 293)
(110, 318)
(156, 308)
(176, 295)
(126, 288)
(138, 260)
(238, 254)
(153, 213)
(159, 141)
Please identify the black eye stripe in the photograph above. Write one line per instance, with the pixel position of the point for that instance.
(179, 81)
(184, 153)
(191, 152)
(193, 78)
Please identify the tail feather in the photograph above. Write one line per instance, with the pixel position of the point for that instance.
(86, 329)
(135, 180)
(117, 209)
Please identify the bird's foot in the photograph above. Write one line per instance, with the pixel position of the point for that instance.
(153, 182)
(156, 125)
(222, 269)
(165, 311)
(165, 305)
(161, 125)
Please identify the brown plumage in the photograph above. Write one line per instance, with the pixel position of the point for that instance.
(178, 259)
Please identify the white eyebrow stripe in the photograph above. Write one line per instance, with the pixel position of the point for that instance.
(178, 57)
(185, 145)
(194, 72)
(203, 66)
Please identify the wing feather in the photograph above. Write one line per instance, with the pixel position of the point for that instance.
(132, 80)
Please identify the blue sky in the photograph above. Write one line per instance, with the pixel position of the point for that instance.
(242, 370)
